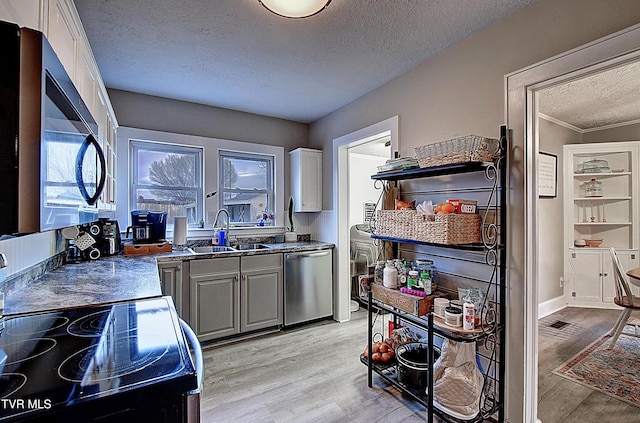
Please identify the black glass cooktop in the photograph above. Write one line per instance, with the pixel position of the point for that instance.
(58, 359)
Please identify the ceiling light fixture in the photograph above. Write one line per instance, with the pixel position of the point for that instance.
(295, 8)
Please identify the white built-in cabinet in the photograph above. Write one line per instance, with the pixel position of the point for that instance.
(610, 215)
(306, 179)
(60, 22)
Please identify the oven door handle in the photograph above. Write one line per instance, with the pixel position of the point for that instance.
(192, 338)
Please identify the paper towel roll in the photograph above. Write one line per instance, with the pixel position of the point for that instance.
(179, 230)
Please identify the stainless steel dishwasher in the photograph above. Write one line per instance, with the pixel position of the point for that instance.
(308, 286)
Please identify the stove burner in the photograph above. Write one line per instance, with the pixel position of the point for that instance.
(29, 349)
(25, 328)
(11, 383)
(90, 325)
(105, 361)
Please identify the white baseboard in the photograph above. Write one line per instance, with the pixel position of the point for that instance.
(551, 306)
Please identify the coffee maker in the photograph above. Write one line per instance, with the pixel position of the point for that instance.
(90, 241)
(148, 226)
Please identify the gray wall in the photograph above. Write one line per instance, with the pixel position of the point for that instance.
(461, 91)
(551, 214)
(161, 114)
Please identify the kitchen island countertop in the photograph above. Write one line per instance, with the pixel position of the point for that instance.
(114, 279)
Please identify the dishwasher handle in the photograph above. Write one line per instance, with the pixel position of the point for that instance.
(192, 338)
(304, 255)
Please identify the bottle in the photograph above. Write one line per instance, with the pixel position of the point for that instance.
(390, 276)
(468, 316)
(378, 273)
(216, 237)
(425, 281)
(222, 237)
(404, 275)
(412, 280)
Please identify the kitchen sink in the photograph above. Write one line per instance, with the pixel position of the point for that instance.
(211, 249)
(244, 247)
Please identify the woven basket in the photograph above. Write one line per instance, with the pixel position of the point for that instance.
(449, 229)
(395, 223)
(470, 148)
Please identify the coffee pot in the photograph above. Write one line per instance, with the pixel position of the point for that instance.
(147, 226)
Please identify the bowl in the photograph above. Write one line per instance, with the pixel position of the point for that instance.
(593, 242)
(579, 243)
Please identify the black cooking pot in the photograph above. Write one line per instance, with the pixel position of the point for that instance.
(413, 364)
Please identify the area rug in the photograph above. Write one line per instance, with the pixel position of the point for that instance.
(614, 372)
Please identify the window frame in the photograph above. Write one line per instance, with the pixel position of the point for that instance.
(270, 191)
(136, 145)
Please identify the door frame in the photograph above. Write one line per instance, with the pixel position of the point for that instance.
(342, 296)
(520, 106)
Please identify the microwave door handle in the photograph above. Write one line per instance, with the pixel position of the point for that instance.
(89, 140)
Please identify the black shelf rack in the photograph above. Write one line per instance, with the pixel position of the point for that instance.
(492, 336)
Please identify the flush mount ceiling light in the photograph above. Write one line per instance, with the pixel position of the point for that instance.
(295, 8)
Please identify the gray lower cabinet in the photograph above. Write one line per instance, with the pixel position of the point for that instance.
(215, 297)
(261, 292)
(171, 283)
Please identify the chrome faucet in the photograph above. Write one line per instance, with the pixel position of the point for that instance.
(215, 223)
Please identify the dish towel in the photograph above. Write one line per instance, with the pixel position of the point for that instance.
(457, 381)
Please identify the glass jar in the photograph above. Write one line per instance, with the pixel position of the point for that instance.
(425, 282)
(593, 188)
(429, 267)
(412, 280)
(390, 276)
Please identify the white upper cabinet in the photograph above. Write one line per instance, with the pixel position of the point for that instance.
(25, 13)
(306, 179)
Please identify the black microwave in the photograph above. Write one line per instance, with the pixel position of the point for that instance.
(52, 168)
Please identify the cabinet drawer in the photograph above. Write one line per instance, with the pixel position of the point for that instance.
(266, 261)
(212, 266)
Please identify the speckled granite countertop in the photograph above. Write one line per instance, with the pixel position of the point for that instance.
(288, 247)
(114, 279)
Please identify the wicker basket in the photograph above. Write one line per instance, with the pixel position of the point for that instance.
(449, 229)
(470, 148)
(395, 223)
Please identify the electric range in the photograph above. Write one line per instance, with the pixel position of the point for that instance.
(116, 362)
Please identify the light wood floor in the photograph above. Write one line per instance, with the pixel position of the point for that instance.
(559, 399)
(313, 374)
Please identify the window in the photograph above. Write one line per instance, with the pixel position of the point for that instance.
(246, 187)
(167, 177)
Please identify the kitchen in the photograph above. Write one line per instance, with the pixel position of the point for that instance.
(425, 112)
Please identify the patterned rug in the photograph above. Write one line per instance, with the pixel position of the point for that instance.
(614, 372)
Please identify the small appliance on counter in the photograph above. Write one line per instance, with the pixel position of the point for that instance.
(147, 226)
(90, 241)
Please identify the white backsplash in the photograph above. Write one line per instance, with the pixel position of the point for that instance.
(25, 251)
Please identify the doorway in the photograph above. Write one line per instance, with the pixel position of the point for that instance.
(525, 89)
(387, 130)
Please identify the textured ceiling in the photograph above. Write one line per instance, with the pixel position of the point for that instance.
(235, 54)
(603, 99)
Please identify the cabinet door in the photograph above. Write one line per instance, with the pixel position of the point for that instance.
(586, 286)
(64, 36)
(171, 283)
(21, 12)
(214, 308)
(261, 292)
(306, 179)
